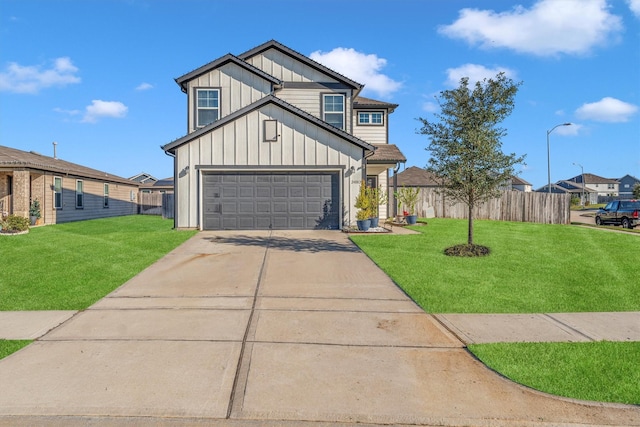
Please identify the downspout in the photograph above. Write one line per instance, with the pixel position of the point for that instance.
(395, 189)
(175, 188)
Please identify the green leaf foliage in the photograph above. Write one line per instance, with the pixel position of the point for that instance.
(465, 142)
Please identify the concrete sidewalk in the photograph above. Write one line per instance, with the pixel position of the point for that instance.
(468, 328)
(262, 329)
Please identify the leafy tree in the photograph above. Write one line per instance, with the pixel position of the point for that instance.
(465, 141)
(636, 191)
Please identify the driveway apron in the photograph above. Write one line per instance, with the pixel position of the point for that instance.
(269, 327)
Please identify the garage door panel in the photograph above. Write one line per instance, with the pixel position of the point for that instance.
(277, 200)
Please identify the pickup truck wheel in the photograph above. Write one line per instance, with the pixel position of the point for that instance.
(598, 220)
(626, 223)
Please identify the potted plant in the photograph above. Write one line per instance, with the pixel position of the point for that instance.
(363, 203)
(408, 197)
(34, 211)
(378, 198)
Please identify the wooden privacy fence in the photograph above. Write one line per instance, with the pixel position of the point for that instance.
(156, 204)
(511, 206)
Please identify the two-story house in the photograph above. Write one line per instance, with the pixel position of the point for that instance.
(276, 140)
(602, 186)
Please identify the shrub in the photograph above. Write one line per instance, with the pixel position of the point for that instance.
(575, 201)
(15, 223)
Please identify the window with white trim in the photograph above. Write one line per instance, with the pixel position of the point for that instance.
(57, 192)
(207, 106)
(106, 196)
(370, 118)
(333, 109)
(79, 194)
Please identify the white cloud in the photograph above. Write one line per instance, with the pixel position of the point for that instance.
(475, 73)
(68, 112)
(99, 109)
(634, 5)
(17, 78)
(549, 27)
(607, 110)
(144, 86)
(361, 67)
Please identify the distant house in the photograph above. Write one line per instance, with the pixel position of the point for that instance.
(66, 191)
(417, 177)
(520, 184)
(627, 183)
(602, 186)
(151, 184)
(577, 189)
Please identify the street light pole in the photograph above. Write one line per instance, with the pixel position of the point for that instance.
(549, 155)
(581, 179)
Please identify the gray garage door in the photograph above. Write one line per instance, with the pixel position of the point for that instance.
(276, 200)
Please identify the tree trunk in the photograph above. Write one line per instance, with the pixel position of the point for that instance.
(470, 231)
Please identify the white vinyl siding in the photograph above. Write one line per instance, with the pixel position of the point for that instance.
(285, 68)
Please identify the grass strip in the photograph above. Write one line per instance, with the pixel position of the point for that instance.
(601, 371)
(71, 266)
(532, 268)
(11, 346)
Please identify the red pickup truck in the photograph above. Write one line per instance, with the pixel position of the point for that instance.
(619, 212)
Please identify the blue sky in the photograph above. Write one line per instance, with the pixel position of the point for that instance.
(97, 76)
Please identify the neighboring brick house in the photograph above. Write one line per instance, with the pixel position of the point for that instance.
(66, 191)
(276, 140)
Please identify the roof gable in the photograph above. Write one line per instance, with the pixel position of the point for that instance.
(183, 80)
(272, 44)
(270, 99)
(14, 158)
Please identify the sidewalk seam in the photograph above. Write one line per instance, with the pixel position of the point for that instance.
(243, 348)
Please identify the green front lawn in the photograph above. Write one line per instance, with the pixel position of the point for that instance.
(532, 268)
(602, 371)
(70, 266)
(11, 346)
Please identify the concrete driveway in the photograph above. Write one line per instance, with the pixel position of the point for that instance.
(261, 329)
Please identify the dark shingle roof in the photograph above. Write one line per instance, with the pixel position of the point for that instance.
(13, 158)
(183, 80)
(590, 178)
(362, 102)
(516, 180)
(386, 153)
(417, 177)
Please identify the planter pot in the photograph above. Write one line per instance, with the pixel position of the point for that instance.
(374, 221)
(33, 220)
(411, 219)
(364, 224)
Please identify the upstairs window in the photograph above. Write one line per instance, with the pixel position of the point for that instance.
(333, 110)
(208, 106)
(370, 118)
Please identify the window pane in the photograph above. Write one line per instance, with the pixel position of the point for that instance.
(208, 98)
(376, 118)
(363, 118)
(207, 116)
(336, 120)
